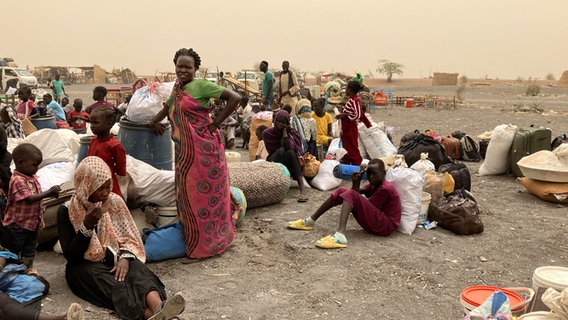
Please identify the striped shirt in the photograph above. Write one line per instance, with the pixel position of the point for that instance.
(353, 110)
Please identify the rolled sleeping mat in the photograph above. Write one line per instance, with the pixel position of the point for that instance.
(344, 171)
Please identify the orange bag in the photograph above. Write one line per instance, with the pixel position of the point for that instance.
(311, 165)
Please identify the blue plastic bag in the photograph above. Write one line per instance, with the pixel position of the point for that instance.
(164, 243)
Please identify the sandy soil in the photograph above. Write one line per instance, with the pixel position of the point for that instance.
(274, 273)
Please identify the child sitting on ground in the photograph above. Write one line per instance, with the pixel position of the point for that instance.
(78, 118)
(106, 146)
(12, 124)
(379, 213)
(24, 211)
(99, 95)
(261, 152)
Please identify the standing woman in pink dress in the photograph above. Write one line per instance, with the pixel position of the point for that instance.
(201, 175)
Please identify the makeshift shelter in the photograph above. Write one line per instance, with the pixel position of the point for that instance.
(445, 79)
(563, 82)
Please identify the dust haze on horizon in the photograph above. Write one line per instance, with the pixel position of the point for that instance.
(503, 39)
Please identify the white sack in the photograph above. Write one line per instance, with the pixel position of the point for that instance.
(150, 185)
(362, 150)
(54, 174)
(56, 145)
(376, 142)
(497, 157)
(423, 165)
(325, 180)
(147, 101)
(409, 184)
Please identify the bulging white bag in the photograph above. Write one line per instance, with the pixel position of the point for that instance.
(150, 185)
(423, 165)
(147, 101)
(325, 180)
(497, 157)
(376, 142)
(56, 145)
(409, 184)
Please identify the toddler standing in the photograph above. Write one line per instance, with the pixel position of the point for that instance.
(24, 212)
(106, 146)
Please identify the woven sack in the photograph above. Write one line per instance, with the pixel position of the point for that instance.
(263, 183)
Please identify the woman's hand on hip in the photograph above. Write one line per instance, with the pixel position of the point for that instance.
(158, 128)
(212, 127)
(121, 269)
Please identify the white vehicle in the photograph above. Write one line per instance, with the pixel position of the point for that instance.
(212, 76)
(24, 76)
(250, 78)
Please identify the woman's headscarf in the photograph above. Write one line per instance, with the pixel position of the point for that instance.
(304, 108)
(272, 136)
(116, 228)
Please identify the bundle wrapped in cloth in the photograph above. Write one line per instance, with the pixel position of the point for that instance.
(546, 165)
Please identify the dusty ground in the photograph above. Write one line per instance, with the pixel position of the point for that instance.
(274, 273)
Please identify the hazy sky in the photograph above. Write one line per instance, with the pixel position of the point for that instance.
(498, 38)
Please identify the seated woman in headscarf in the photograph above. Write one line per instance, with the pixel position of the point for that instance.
(105, 254)
(284, 145)
(306, 126)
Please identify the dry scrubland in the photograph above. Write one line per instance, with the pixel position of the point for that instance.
(274, 273)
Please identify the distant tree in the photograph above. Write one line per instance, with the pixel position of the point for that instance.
(463, 79)
(550, 77)
(533, 89)
(389, 68)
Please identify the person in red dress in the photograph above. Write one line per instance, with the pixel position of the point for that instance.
(350, 115)
(106, 146)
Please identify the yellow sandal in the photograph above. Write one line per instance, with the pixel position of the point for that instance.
(299, 225)
(330, 242)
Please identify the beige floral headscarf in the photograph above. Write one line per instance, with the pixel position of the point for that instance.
(116, 228)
